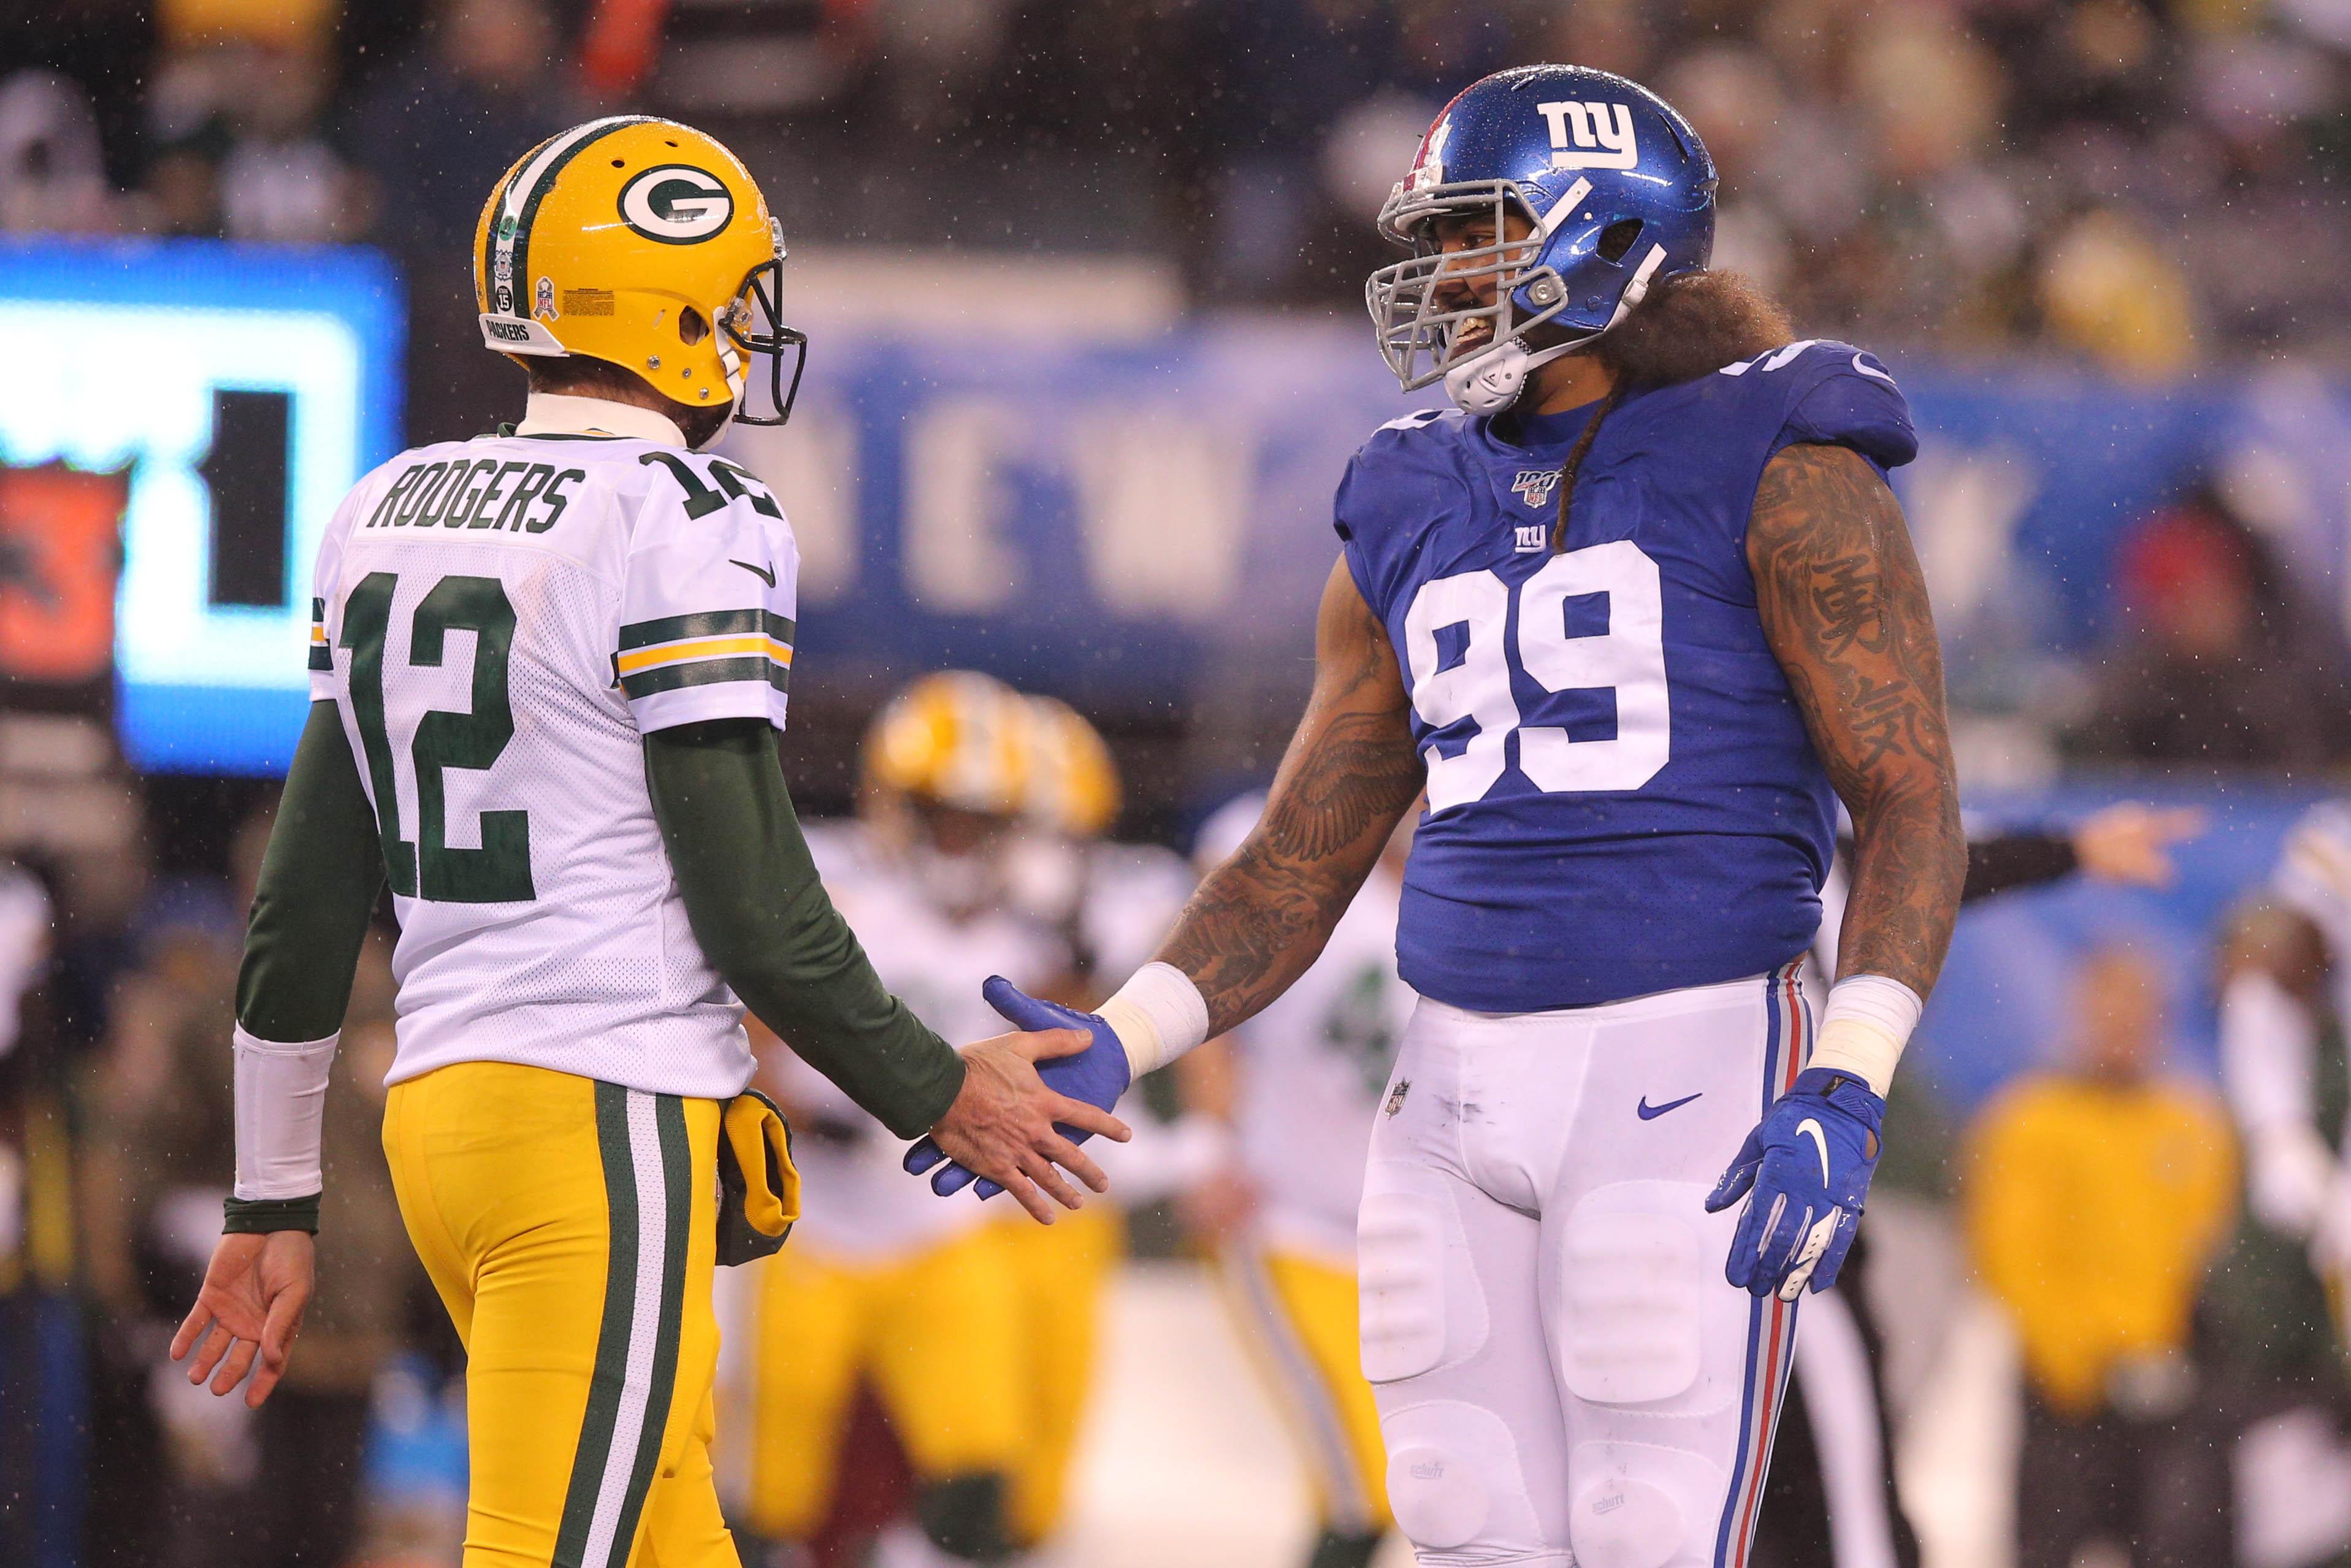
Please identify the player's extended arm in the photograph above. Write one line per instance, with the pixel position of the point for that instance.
(763, 919)
(311, 910)
(1845, 609)
(1261, 919)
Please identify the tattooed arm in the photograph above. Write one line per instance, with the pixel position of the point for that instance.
(1351, 772)
(1845, 609)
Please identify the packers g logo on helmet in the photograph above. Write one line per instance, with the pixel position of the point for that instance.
(683, 290)
(676, 204)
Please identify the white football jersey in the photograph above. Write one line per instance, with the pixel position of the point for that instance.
(500, 620)
(2313, 875)
(857, 1202)
(1313, 1067)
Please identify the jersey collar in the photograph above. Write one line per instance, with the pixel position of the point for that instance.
(558, 413)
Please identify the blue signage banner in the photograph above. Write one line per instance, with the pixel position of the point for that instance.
(1127, 525)
(232, 386)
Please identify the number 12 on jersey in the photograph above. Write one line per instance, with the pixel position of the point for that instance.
(430, 867)
(1628, 658)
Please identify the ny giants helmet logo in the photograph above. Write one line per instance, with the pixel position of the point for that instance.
(676, 204)
(1582, 136)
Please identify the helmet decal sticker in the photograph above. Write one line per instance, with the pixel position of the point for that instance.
(1430, 170)
(677, 203)
(1582, 138)
(543, 306)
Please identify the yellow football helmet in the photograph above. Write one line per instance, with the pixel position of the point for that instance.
(1072, 781)
(646, 244)
(957, 739)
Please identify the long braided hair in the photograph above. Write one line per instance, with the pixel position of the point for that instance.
(1576, 455)
(1689, 326)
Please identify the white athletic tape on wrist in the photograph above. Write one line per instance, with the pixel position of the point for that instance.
(1868, 1021)
(281, 1099)
(1158, 1015)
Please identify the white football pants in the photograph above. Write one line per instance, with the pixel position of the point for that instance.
(1563, 1376)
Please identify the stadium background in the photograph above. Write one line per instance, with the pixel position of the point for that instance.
(1081, 282)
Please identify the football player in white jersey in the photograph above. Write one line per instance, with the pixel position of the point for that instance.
(1299, 1088)
(548, 671)
(883, 1284)
(2288, 966)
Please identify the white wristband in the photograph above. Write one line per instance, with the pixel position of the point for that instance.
(281, 1098)
(1868, 1021)
(1158, 1015)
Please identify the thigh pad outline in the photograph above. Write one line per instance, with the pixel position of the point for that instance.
(1422, 1306)
(1632, 1289)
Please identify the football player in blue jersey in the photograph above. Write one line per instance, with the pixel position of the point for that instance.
(1635, 616)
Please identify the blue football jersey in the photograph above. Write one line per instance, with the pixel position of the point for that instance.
(1621, 798)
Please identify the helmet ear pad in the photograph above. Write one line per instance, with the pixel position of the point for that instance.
(1581, 274)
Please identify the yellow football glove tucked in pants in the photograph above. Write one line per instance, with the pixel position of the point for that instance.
(569, 1226)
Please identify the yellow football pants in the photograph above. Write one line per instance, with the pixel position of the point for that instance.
(1059, 1273)
(935, 1335)
(1298, 1317)
(569, 1226)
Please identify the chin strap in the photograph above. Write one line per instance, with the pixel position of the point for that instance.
(1492, 382)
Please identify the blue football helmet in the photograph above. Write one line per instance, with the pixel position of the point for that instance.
(1617, 192)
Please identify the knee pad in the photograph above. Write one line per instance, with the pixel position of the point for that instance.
(1642, 1506)
(963, 1516)
(1454, 1477)
(1421, 1305)
(1631, 1279)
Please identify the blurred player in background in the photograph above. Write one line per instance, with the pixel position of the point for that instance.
(1110, 902)
(548, 668)
(1636, 619)
(2285, 1003)
(1296, 1091)
(1830, 1499)
(883, 1286)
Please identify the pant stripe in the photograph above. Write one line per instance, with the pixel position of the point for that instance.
(667, 1115)
(1307, 1393)
(1771, 1322)
(642, 1141)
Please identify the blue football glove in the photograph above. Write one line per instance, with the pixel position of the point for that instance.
(1098, 1075)
(1804, 1171)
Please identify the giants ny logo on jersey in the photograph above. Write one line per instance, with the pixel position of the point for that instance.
(1582, 135)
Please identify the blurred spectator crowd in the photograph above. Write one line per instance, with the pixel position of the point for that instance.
(2144, 182)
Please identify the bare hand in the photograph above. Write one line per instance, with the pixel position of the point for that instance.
(2131, 844)
(1002, 1124)
(253, 1294)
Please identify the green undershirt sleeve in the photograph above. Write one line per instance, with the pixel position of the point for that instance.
(764, 921)
(318, 881)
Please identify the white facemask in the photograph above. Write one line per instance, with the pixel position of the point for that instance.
(1490, 383)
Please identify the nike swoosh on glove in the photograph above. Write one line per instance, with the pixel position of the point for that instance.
(1804, 1172)
(1098, 1075)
